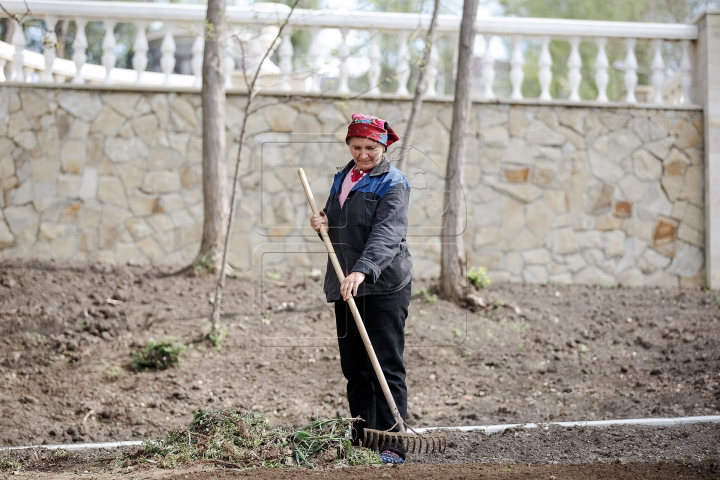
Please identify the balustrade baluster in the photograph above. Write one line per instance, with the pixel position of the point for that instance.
(167, 49)
(29, 71)
(488, 70)
(3, 62)
(229, 63)
(108, 48)
(79, 48)
(630, 77)
(285, 53)
(685, 72)
(18, 41)
(658, 68)
(313, 57)
(402, 70)
(374, 57)
(601, 70)
(516, 72)
(432, 72)
(545, 62)
(140, 49)
(49, 42)
(574, 64)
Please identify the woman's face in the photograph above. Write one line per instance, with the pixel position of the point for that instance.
(366, 153)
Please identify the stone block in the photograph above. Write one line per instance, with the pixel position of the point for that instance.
(108, 122)
(488, 236)
(150, 247)
(113, 215)
(623, 209)
(110, 191)
(604, 167)
(538, 256)
(633, 189)
(579, 183)
(575, 262)
(539, 133)
(80, 104)
(609, 222)
(518, 122)
(71, 213)
(120, 150)
(189, 235)
(142, 205)
(514, 263)
(109, 235)
(693, 186)
(563, 241)
(576, 140)
(614, 121)
(691, 236)
(675, 163)
(646, 166)
(516, 175)
(494, 136)
(539, 218)
(664, 237)
(182, 114)
(614, 244)
(73, 155)
(600, 200)
(662, 279)
(33, 104)
(688, 136)
(138, 228)
(672, 185)
(525, 240)
(44, 170)
(631, 278)
(694, 217)
(592, 275)
(7, 239)
(523, 192)
(573, 118)
(652, 260)
(513, 218)
(535, 275)
(161, 181)
(655, 201)
(89, 184)
(129, 252)
(63, 247)
(146, 127)
(90, 218)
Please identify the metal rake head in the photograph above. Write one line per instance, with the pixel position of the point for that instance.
(407, 442)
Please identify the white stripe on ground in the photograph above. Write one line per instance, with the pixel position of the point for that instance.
(486, 429)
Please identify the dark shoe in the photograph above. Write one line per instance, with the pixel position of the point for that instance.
(388, 456)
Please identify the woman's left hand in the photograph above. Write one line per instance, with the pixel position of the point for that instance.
(350, 285)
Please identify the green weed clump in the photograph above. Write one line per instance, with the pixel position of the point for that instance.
(243, 440)
(430, 298)
(478, 276)
(158, 355)
(216, 337)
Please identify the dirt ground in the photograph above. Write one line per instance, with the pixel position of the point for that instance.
(546, 353)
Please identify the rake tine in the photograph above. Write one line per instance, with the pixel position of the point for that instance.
(413, 445)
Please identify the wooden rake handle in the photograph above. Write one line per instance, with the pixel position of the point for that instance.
(353, 309)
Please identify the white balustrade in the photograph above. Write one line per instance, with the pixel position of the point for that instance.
(108, 48)
(602, 77)
(630, 77)
(79, 48)
(167, 49)
(431, 73)
(488, 70)
(402, 68)
(374, 57)
(49, 51)
(18, 41)
(261, 19)
(545, 62)
(574, 64)
(658, 68)
(517, 61)
(140, 47)
(285, 53)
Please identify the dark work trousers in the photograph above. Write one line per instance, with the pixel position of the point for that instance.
(384, 318)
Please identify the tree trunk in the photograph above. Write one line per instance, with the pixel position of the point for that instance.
(213, 135)
(453, 264)
(419, 90)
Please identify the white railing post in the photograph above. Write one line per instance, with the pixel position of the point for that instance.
(140, 48)
(545, 62)
(402, 70)
(18, 41)
(658, 68)
(49, 43)
(488, 70)
(167, 49)
(79, 48)
(601, 71)
(431, 73)
(574, 64)
(631, 77)
(685, 72)
(196, 63)
(108, 48)
(343, 55)
(285, 53)
(3, 62)
(313, 57)
(516, 72)
(374, 57)
(229, 63)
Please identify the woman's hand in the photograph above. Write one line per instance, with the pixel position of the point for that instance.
(318, 220)
(350, 285)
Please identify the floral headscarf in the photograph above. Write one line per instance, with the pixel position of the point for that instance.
(367, 126)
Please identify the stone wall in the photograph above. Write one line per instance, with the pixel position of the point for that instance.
(554, 194)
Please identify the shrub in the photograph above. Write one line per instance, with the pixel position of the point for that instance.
(158, 355)
(479, 277)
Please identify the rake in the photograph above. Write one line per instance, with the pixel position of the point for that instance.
(377, 439)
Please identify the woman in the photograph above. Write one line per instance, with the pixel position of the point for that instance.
(366, 218)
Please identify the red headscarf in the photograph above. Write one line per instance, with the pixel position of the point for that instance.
(367, 126)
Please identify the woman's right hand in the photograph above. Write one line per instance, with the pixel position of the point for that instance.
(317, 220)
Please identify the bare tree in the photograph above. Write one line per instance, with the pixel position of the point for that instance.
(419, 90)
(215, 201)
(452, 267)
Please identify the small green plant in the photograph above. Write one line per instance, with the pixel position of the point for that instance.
(35, 337)
(458, 333)
(216, 338)
(498, 304)
(204, 263)
(273, 275)
(114, 372)
(6, 464)
(158, 355)
(430, 298)
(479, 277)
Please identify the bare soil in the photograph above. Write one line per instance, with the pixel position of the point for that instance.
(536, 354)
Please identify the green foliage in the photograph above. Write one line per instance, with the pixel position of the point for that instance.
(479, 277)
(245, 439)
(273, 275)
(430, 298)
(204, 263)
(114, 372)
(216, 338)
(158, 355)
(498, 304)
(6, 464)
